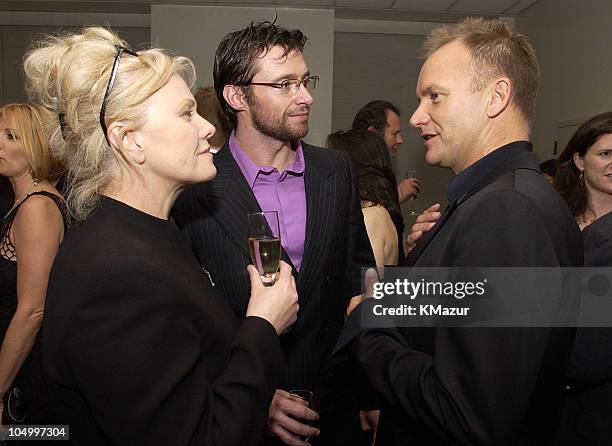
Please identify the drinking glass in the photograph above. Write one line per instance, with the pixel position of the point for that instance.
(265, 244)
(308, 397)
(413, 212)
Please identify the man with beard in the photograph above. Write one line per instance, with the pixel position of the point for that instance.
(264, 86)
(384, 118)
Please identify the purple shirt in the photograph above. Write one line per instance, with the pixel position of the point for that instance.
(282, 192)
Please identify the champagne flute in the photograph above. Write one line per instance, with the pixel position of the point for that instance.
(411, 173)
(265, 244)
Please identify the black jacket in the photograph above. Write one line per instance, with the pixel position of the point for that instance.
(479, 386)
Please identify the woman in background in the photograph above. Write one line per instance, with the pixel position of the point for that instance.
(30, 235)
(139, 347)
(210, 109)
(584, 173)
(584, 179)
(378, 190)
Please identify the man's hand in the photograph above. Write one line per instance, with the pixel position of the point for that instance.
(424, 223)
(371, 277)
(285, 419)
(408, 188)
(369, 422)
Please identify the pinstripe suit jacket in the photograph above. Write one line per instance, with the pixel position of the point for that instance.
(213, 216)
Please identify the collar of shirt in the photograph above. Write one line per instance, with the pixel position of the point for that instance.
(466, 180)
(252, 172)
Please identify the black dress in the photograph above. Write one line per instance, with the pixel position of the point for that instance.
(141, 349)
(587, 413)
(26, 402)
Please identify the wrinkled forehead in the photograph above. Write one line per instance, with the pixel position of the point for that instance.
(449, 64)
(277, 61)
(393, 120)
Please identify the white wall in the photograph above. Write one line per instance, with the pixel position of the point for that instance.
(195, 32)
(386, 66)
(574, 45)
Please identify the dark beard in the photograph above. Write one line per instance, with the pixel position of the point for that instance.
(269, 125)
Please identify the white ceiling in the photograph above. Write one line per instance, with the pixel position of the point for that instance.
(485, 7)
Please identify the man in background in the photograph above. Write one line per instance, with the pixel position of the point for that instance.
(384, 118)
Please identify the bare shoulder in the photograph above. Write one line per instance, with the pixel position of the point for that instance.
(378, 217)
(39, 211)
(376, 212)
(39, 205)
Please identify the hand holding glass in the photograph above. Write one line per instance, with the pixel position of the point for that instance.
(308, 397)
(411, 173)
(264, 244)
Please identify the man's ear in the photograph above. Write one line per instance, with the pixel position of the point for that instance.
(579, 161)
(373, 129)
(499, 96)
(126, 142)
(235, 97)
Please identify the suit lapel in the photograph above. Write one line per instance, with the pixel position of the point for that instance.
(229, 198)
(524, 160)
(416, 252)
(320, 185)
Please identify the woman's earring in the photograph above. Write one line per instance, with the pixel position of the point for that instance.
(581, 178)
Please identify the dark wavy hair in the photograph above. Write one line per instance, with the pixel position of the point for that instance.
(377, 183)
(236, 59)
(567, 179)
(374, 114)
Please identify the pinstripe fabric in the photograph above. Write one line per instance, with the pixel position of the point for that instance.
(213, 216)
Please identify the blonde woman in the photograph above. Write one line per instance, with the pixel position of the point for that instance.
(139, 348)
(30, 235)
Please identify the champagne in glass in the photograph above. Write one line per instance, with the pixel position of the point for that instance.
(413, 213)
(265, 244)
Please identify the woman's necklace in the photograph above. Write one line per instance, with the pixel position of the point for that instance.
(35, 183)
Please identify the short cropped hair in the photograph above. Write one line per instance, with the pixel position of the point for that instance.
(496, 48)
(374, 114)
(236, 59)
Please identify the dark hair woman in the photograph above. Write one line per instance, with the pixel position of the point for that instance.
(377, 188)
(584, 174)
(584, 179)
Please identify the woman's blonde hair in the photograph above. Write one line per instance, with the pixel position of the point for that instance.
(30, 123)
(69, 74)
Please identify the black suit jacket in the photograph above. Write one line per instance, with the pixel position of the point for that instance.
(139, 350)
(587, 412)
(213, 215)
(479, 386)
